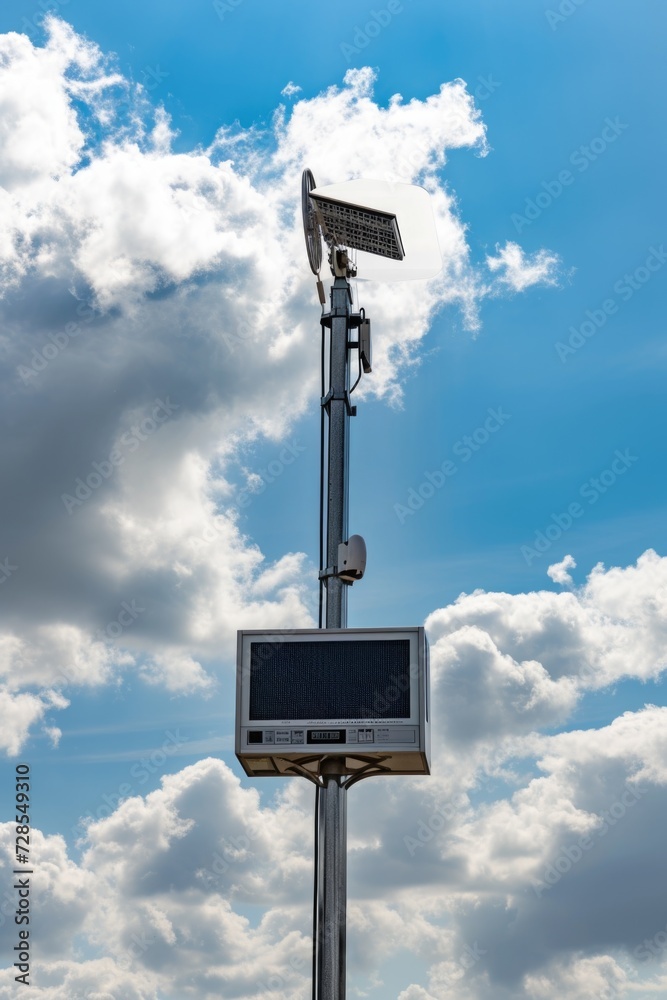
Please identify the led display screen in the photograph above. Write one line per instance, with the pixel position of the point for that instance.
(356, 679)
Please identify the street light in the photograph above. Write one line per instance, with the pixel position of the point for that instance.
(391, 224)
(392, 230)
(383, 231)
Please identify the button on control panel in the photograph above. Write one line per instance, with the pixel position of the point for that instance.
(351, 737)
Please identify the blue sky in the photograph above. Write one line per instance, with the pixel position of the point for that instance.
(150, 157)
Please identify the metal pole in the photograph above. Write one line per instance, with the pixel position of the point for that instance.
(332, 889)
(331, 803)
(338, 450)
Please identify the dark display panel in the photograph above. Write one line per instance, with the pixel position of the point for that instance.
(326, 736)
(354, 679)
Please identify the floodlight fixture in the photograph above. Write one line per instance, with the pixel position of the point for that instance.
(388, 223)
(348, 225)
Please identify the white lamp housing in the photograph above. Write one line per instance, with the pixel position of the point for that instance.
(389, 223)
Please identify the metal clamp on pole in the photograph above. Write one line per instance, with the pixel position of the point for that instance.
(345, 396)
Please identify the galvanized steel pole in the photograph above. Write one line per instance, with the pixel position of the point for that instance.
(338, 449)
(331, 805)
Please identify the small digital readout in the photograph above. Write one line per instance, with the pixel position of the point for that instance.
(326, 735)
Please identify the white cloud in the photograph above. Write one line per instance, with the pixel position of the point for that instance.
(290, 89)
(137, 275)
(559, 571)
(98, 979)
(415, 993)
(20, 712)
(177, 672)
(590, 977)
(519, 270)
(62, 892)
(40, 135)
(487, 692)
(164, 885)
(134, 274)
(59, 655)
(536, 651)
(154, 895)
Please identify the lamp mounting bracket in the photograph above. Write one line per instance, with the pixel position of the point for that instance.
(354, 319)
(343, 396)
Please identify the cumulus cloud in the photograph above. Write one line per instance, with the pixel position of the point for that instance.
(41, 136)
(149, 340)
(59, 655)
(155, 894)
(290, 89)
(589, 977)
(542, 858)
(553, 884)
(493, 873)
(559, 571)
(488, 692)
(532, 655)
(20, 712)
(514, 876)
(518, 270)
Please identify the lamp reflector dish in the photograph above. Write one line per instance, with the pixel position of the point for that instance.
(311, 229)
(409, 205)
